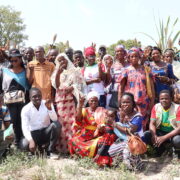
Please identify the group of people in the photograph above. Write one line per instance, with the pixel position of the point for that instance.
(79, 104)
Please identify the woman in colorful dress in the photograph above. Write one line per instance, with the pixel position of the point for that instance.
(13, 81)
(115, 74)
(84, 142)
(94, 76)
(134, 81)
(132, 120)
(69, 83)
(162, 72)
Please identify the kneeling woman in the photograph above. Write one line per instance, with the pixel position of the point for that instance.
(84, 142)
(131, 120)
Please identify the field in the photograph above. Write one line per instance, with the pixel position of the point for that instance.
(18, 166)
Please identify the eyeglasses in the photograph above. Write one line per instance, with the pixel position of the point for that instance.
(13, 61)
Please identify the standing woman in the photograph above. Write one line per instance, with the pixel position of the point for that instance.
(162, 72)
(115, 74)
(14, 82)
(69, 83)
(134, 81)
(94, 76)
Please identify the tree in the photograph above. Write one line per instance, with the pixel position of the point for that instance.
(166, 34)
(11, 26)
(128, 44)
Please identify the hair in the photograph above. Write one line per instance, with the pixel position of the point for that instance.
(169, 50)
(33, 89)
(78, 52)
(166, 91)
(156, 48)
(22, 64)
(131, 96)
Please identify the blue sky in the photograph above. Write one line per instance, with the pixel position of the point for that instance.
(85, 21)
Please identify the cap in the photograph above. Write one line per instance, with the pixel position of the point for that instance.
(14, 53)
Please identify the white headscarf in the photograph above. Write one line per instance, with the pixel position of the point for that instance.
(103, 61)
(69, 77)
(92, 94)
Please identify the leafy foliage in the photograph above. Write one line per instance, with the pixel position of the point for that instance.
(127, 43)
(11, 26)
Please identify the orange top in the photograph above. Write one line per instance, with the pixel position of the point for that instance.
(42, 77)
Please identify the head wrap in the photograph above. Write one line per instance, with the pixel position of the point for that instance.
(135, 49)
(120, 46)
(90, 51)
(92, 94)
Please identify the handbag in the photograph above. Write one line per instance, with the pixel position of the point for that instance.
(15, 96)
(135, 144)
(113, 103)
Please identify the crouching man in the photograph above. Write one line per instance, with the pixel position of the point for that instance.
(37, 127)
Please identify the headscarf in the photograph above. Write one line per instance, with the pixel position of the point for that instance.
(70, 76)
(105, 56)
(89, 51)
(92, 94)
(120, 46)
(135, 49)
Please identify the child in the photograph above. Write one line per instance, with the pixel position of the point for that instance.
(108, 137)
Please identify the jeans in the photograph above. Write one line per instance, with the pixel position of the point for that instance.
(175, 141)
(48, 135)
(15, 113)
(102, 101)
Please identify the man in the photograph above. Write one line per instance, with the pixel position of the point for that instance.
(28, 55)
(36, 124)
(164, 125)
(101, 52)
(78, 59)
(6, 135)
(39, 73)
(52, 54)
(69, 53)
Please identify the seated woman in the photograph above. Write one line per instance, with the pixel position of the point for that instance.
(84, 142)
(165, 124)
(131, 120)
(108, 138)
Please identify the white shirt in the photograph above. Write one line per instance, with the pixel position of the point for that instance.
(33, 119)
(92, 72)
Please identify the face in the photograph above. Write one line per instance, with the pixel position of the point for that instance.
(91, 59)
(39, 53)
(16, 61)
(168, 57)
(29, 54)
(110, 117)
(69, 53)
(78, 60)
(52, 55)
(36, 97)
(156, 55)
(147, 52)
(165, 100)
(119, 53)
(63, 61)
(134, 58)
(93, 102)
(102, 51)
(126, 104)
(108, 61)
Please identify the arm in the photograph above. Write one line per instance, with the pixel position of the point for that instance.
(30, 74)
(121, 89)
(79, 115)
(51, 111)
(152, 100)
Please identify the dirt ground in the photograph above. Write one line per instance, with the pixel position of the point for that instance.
(67, 169)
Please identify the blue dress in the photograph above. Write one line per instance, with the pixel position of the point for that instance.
(166, 71)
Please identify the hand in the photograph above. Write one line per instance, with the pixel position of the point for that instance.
(31, 69)
(163, 79)
(32, 145)
(11, 137)
(160, 140)
(97, 80)
(62, 66)
(81, 101)
(68, 89)
(48, 104)
(154, 140)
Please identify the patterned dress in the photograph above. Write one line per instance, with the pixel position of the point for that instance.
(136, 84)
(84, 143)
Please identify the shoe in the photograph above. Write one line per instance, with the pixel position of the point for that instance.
(53, 156)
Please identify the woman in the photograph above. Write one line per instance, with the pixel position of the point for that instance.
(84, 143)
(131, 120)
(69, 83)
(94, 76)
(14, 83)
(115, 74)
(162, 72)
(134, 81)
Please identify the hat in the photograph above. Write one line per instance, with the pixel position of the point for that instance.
(14, 53)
